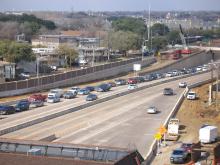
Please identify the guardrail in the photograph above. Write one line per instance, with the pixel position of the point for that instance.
(64, 112)
(153, 149)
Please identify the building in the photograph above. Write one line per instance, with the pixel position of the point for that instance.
(7, 71)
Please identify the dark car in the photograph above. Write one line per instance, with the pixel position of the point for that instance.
(179, 156)
(168, 91)
(120, 82)
(113, 84)
(90, 88)
(69, 95)
(22, 105)
(6, 109)
(91, 97)
(150, 77)
(83, 91)
(187, 146)
(140, 79)
(103, 88)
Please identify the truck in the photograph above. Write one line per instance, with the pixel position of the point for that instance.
(208, 134)
(56, 92)
(173, 129)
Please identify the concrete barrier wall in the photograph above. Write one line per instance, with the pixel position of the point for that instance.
(80, 76)
(153, 149)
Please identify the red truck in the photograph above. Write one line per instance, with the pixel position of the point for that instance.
(36, 97)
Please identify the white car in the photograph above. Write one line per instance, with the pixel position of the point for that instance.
(53, 99)
(169, 74)
(152, 110)
(205, 68)
(191, 95)
(75, 89)
(182, 84)
(199, 68)
(175, 72)
(132, 86)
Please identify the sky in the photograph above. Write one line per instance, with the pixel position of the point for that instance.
(109, 5)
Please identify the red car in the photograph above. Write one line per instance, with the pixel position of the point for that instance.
(132, 81)
(36, 97)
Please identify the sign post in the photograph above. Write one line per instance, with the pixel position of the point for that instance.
(158, 137)
(162, 131)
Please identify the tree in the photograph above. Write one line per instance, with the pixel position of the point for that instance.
(159, 42)
(173, 37)
(16, 52)
(69, 53)
(159, 29)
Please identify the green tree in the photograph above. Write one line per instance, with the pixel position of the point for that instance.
(159, 29)
(70, 54)
(15, 52)
(173, 37)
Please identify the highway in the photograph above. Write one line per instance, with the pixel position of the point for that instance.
(121, 122)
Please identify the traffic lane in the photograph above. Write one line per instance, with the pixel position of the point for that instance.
(40, 114)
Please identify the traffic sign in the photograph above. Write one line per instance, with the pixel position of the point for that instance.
(158, 136)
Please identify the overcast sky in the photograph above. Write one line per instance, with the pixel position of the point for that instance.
(109, 5)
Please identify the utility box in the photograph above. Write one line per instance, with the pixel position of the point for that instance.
(208, 134)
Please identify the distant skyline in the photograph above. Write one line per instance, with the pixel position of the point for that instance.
(109, 5)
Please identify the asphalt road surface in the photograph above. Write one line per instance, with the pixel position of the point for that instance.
(122, 122)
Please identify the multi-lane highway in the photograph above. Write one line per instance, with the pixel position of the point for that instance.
(120, 122)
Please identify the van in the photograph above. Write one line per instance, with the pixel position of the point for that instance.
(56, 92)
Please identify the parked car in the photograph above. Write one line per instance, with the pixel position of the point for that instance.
(132, 80)
(191, 95)
(140, 79)
(120, 82)
(37, 97)
(6, 109)
(132, 86)
(25, 75)
(91, 97)
(37, 103)
(53, 99)
(22, 105)
(69, 95)
(159, 75)
(168, 91)
(182, 84)
(102, 88)
(199, 68)
(179, 155)
(152, 110)
(187, 146)
(90, 88)
(83, 91)
(175, 72)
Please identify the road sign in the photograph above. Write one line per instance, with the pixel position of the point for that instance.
(158, 136)
(162, 130)
(137, 67)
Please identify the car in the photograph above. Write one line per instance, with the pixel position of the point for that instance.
(132, 86)
(91, 97)
(90, 88)
(75, 89)
(103, 88)
(22, 105)
(25, 74)
(113, 84)
(149, 77)
(53, 99)
(168, 91)
(199, 68)
(37, 103)
(35, 97)
(132, 80)
(140, 79)
(120, 82)
(179, 155)
(187, 146)
(152, 110)
(83, 91)
(182, 84)
(191, 95)
(169, 74)
(205, 68)
(69, 95)
(6, 109)
(159, 75)
(175, 72)
(58, 92)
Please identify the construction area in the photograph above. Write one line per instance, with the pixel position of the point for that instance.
(193, 114)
